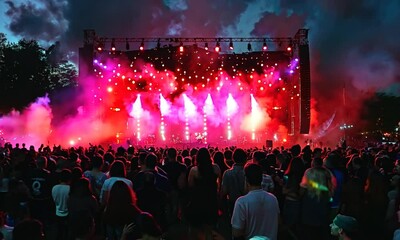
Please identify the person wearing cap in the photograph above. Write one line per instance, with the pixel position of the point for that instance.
(344, 227)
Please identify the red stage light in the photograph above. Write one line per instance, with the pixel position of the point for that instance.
(181, 47)
(265, 47)
(217, 47)
(141, 46)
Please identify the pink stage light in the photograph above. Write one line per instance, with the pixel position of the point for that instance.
(208, 105)
(190, 108)
(256, 116)
(165, 107)
(137, 112)
(165, 110)
(231, 105)
(232, 108)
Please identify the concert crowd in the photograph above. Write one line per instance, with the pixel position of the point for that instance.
(122, 193)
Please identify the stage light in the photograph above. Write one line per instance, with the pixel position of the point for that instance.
(249, 47)
(265, 47)
(217, 47)
(289, 48)
(206, 46)
(113, 45)
(181, 47)
(100, 46)
(127, 45)
(141, 46)
(231, 45)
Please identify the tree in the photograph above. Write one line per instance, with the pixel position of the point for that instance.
(28, 71)
(381, 112)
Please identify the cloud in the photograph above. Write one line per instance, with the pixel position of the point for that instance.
(44, 22)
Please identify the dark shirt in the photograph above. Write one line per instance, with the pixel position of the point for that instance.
(161, 182)
(39, 183)
(174, 169)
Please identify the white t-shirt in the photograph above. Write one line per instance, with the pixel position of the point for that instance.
(60, 193)
(257, 213)
(396, 235)
(108, 185)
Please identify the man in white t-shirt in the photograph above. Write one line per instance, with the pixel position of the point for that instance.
(256, 213)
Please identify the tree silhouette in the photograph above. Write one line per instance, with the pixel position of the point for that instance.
(28, 71)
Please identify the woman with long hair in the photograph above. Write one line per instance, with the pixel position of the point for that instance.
(117, 173)
(120, 210)
(202, 211)
(81, 202)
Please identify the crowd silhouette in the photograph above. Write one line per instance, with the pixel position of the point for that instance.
(205, 193)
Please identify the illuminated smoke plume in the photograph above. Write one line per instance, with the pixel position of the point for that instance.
(31, 126)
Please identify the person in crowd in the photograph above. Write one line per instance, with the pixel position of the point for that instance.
(352, 199)
(176, 173)
(291, 191)
(17, 202)
(228, 157)
(233, 180)
(345, 227)
(149, 164)
(151, 199)
(5, 171)
(202, 210)
(149, 228)
(60, 194)
(120, 209)
(117, 173)
(31, 229)
(268, 183)
(81, 202)
(218, 157)
(5, 230)
(256, 213)
(39, 182)
(376, 201)
(317, 188)
(96, 176)
(332, 162)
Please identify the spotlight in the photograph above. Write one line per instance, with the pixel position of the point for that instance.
(181, 47)
(249, 47)
(100, 46)
(231, 45)
(127, 45)
(265, 46)
(217, 47)
(206, 46)
(142, 45)
(113, 44)
(289, 48)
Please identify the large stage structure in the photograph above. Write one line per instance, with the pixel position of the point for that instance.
(184, 90)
